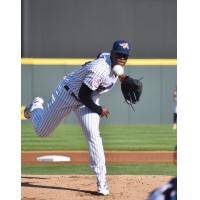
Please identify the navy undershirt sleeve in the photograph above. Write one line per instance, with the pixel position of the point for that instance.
(85, 97)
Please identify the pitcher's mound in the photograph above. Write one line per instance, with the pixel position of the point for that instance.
(79, 187)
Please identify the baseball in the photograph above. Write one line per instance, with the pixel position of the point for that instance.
(118, 70)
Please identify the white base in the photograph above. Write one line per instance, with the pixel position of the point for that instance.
(53, 158)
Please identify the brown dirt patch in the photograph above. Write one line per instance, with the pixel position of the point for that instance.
(112, 157)
(80, 187)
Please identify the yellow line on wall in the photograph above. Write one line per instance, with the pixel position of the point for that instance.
(80, 61)
(152, 62)
(55, 61)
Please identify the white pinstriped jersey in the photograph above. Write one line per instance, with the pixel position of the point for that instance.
(97, 75)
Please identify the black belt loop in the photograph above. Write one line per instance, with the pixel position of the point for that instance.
(72, 94)
(66, 87)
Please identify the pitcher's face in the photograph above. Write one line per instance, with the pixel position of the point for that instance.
(119, 59)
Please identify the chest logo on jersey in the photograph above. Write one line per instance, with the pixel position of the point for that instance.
(96, 82)
(124, 45)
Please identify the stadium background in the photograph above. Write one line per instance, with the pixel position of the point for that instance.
(81, 29)
(53, 32)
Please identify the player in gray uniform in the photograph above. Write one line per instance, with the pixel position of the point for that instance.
(175, 108)
(79, 91)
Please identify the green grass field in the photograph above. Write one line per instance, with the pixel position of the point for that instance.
(136, 169)
(115, 137)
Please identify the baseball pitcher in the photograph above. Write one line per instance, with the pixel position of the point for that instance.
(79, 91)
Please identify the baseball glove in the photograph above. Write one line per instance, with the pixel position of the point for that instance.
(131, 90)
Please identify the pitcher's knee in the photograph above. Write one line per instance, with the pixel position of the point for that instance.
(42, 132)
(95, 138)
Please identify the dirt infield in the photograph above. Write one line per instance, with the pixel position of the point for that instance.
(83, 187)
(112, 157)
(73, 187)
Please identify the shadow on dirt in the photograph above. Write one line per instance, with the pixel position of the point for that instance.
(33, 177)
(27, 184)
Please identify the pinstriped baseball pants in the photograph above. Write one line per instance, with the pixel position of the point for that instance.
(46, 119)
(90, 125)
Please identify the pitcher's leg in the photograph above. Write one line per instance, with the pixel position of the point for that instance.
(46, 119)
(90, 124)
(36, 111)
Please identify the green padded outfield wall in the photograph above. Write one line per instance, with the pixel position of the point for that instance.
(156, 105)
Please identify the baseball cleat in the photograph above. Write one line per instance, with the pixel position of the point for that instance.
(27, 113)
(103, 189)
(37, 102)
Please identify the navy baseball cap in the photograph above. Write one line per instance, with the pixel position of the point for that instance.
(121, 46)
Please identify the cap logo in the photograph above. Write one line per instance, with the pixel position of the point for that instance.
(124, 45)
